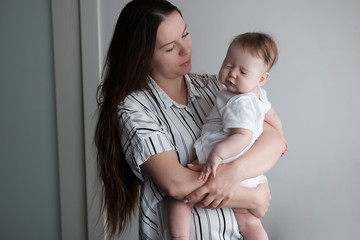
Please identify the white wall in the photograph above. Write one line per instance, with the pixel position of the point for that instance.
(314, 87)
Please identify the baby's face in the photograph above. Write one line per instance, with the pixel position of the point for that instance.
(241, 72)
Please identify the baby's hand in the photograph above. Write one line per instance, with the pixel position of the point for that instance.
(210, 168)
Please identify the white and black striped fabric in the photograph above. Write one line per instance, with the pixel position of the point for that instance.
(152, 123)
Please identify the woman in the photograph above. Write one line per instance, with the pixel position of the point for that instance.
(151, 112)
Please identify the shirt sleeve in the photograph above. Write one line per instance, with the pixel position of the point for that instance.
(263, 96)
(239, 113)
(142, 135)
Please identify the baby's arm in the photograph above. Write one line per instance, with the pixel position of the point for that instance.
(237, 141)
(273, 119)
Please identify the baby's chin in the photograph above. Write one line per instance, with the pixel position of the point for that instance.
(231, 89)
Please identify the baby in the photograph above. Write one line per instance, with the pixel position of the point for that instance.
(234, 124)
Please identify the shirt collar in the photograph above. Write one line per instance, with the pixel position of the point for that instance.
(165, 100)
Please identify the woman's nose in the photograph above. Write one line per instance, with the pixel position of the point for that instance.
(185, 48)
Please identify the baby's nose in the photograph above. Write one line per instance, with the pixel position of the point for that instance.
(233, 73)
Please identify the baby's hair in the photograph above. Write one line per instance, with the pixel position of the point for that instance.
(258, 44)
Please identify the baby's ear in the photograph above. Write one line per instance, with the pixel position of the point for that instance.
(264, 78)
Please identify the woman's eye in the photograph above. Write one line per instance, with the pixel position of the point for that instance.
(170, 49)
(186, 34)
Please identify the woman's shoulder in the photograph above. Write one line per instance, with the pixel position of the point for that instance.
(203, 76)
(205, 80)
(138, 101)
(135, 99)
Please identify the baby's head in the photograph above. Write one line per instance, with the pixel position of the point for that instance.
(259, 45)
(247, 63)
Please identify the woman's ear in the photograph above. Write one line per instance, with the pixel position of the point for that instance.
(264, 78)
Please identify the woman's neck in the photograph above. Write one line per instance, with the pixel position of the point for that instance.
(176, 89)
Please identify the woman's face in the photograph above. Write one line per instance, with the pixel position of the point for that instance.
(173, 49)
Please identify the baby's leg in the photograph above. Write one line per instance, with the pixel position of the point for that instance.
(249, 225)
(179, 217)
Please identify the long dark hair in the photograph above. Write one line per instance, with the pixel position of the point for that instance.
(126, 68)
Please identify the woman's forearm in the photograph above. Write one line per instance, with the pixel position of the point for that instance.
(171, 177)
(262, 156)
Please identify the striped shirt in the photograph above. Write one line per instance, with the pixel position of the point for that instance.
(152, 123)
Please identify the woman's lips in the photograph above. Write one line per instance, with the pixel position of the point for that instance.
(188, 62)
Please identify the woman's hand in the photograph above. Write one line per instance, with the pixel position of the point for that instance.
(225, 191)
(216, 192)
